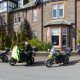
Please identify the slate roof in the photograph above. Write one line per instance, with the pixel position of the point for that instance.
(31, 4)
(58, 22)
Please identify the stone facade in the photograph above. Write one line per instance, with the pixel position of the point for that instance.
(69, 14)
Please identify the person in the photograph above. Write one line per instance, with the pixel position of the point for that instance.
(28, 49)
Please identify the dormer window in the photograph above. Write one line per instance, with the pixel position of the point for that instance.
(7, 6)
(20, 3)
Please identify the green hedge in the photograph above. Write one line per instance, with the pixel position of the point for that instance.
(41, 46)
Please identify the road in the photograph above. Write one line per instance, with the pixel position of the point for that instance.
(40, 72)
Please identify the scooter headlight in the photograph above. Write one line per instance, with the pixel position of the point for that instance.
(50, 56)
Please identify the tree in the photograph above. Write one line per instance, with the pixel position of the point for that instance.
(1, 40)
(4, 40)
(78, 36)
(20, 37)
(25, 27)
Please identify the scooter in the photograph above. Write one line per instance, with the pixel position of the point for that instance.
(24, 57)
(3, 55)
(57, 57)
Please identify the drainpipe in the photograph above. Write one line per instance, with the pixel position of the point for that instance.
(41, 2)
(75, 23)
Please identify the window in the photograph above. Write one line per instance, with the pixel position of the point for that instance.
(3, 20)
(57, 11)
(64, 37)
(3, 6)
(34, 15)
(18, 16)
(54, 11)
(19, 3)
(0, 21)
(15, 18)
(61, 8)
(55, 36)
(35, 35)
(0, 5)
(55, 39)
(34, 1)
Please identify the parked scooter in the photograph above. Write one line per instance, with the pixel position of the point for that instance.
(57, 57)
(3, 55)
(24, 57)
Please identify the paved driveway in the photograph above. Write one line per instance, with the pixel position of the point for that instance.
(40, 72)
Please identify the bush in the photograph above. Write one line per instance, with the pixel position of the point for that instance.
(41, 46)
(4, 40)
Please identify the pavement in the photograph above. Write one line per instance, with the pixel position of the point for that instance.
(39, 71)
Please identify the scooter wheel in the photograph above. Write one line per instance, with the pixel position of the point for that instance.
(49, 63)
(66, 60)
(12, 61)
(4, 58)
(31, 61)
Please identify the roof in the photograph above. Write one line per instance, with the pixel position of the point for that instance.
(10, 0)
(58, 22)
(30, 4)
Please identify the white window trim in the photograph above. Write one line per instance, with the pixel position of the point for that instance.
(63, 12)
(66, 37)
(52, 12)
(56, 35)
(57, 11)
(33, 13)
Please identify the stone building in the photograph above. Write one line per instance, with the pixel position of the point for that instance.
(54, 21)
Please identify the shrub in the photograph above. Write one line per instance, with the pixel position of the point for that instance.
(42, 46)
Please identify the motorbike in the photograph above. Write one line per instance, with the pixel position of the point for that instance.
(3, 55)
(24, 57)
(57, 57)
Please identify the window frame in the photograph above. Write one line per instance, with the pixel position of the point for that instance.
(34, 14)
(65, 34)
(56, 32)
(15, 18)
(57, 10)
(53, 13)
(61, 8)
